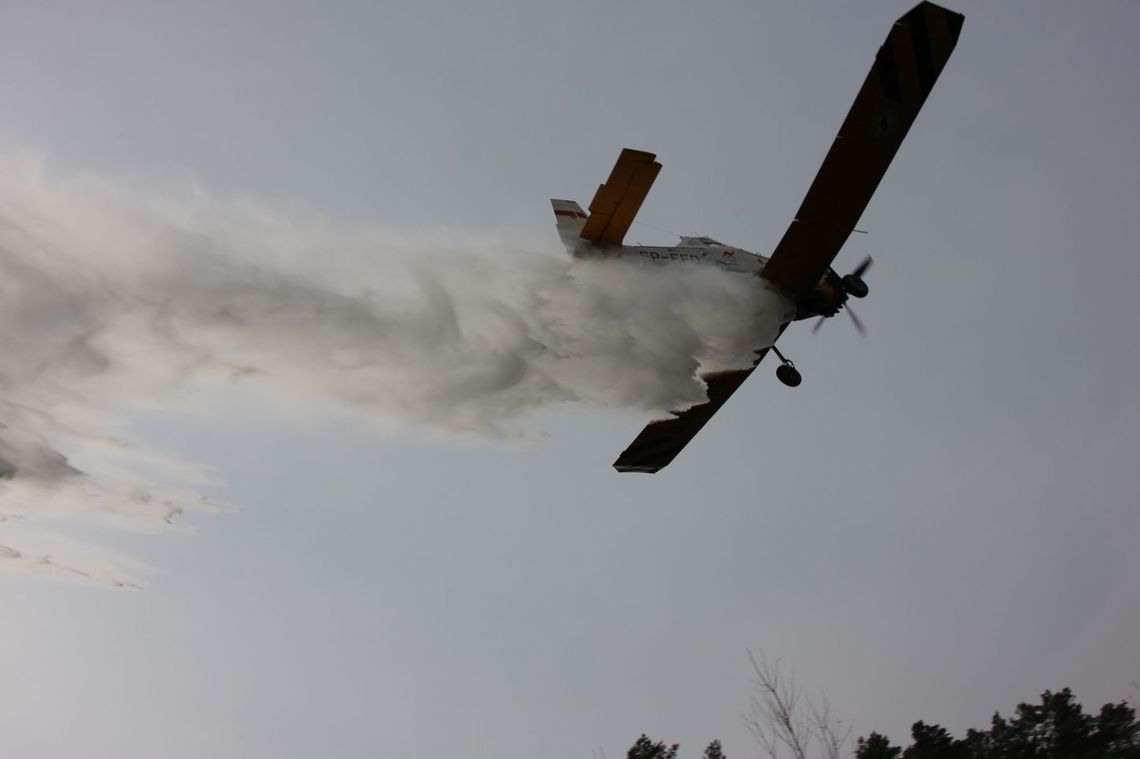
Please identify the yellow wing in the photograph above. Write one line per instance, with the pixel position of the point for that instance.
(618, 200)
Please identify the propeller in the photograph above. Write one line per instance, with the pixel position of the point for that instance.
(857, 322)
(853, 283)
(854, 286)
(861, 269)
(859, 326)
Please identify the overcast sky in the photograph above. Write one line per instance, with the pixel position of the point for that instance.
(940, 522)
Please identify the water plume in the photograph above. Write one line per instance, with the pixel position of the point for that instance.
(115, 302)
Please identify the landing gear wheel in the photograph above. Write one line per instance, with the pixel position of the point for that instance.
(787, 374)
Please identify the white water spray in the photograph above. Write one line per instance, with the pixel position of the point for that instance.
(111, 304)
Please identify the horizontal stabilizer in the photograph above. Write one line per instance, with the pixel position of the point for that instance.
(619, 199)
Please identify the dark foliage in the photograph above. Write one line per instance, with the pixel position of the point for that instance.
(876, 746)
(644, 748)
(713, 751)
(1057, 728)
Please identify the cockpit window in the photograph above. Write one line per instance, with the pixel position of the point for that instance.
(710, 241)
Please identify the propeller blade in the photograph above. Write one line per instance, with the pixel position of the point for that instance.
(818, 324)
(861, 269)
(858, 322)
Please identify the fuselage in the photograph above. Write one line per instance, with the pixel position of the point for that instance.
(824, 300)
(691, 250)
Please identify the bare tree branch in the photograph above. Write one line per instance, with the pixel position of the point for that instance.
(785, 722)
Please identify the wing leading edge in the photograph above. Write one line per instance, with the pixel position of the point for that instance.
(905, 69)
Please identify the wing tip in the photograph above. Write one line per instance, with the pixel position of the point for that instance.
(649, 456)
(638, 156)
(639, 468)
(954, 19)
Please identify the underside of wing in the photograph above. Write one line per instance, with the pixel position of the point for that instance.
(618, 200)
(906, 68)
(661, 441)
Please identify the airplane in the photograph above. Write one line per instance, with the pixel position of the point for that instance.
(905, 69)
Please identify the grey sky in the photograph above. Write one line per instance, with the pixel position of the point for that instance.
(940, 522)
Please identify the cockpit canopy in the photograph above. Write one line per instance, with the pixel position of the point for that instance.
(701, 242)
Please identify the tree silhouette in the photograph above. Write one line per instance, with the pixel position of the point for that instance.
(1057, 728)
(713, 751)
(644, 748)
(876, 746)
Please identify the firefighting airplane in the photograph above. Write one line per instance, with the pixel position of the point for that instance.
(905, 69)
